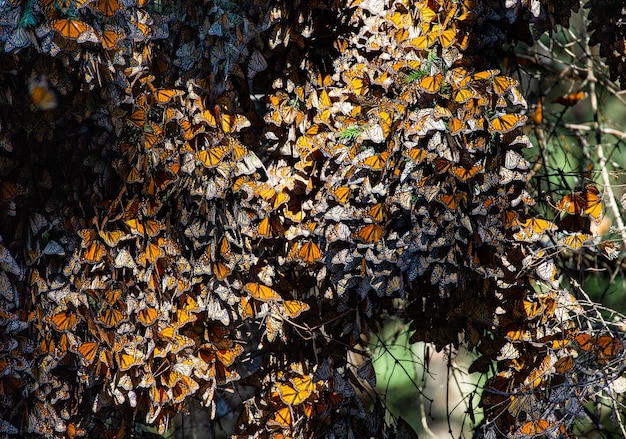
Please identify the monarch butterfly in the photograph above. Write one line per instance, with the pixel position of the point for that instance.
(593, 201)
(400, 20)
(129, 357)
(212, 157)
(87, 352)
(302, 387)
(221, 270)
(609, 347)
(94, 252)
(112, 317)
(377, 212)
(431, 84)
(424, 41)
(152, 135)
(110, 38)
(442, 165)
(207, 117)
(261, 292)
(564, 364)
(532, 229)
(571, 99)
(41, 95)
(232, 123)
(171, 113)
(463, 95)
(341, 194)
(546, 270)
(70, 28)
(464, 174)
(358, 86)
(370, 233)
(281, 419)
(584, 341)
(149, 227)
(514, 160)
(270, 227)
(533, 428)
(165, 95)
(228, 356)
(376, 162)
(506, 123)
(293, 308)
(309, 252)
(178, 343)
(256, 64)
(138, 118)
(112, 238)
(150, 255)
(107, 7)
(191, 131)
(184, 387)
(485, 74)
(575, 241)
(501, 84)
(148, 316)
(245, 308)
(64, 321)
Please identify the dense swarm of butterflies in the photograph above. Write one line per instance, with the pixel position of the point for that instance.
(166, 234)
(603, 17)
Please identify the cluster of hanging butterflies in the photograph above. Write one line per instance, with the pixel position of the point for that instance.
(611, 38)
(205, 236)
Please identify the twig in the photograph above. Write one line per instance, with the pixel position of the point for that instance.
(603, 130)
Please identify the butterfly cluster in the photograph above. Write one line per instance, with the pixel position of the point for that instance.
(168, 234)
(611, 39)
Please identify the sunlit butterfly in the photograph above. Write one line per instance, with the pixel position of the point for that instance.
(148, 316)
(94, 252)
(129, 357)
(228, 356)
(282, 418)
(297, 391)
(70, 28)
(575, 241)
(164, 96)
(64, 321)
(376, 162)
(261, 292)
(593, 201)
(570, 99)
(266, 228)
(212, 157)
(431, 84)
(110, 38)
(506, 123)
(293, 308)
(445, 37)
(370, 233)
(191, 131)
(501, 84)
(532, 229)
(464, 174)
(87, 352)
(309, 252)
(138, 118)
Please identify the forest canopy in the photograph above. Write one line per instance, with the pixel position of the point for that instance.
(225, 202)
